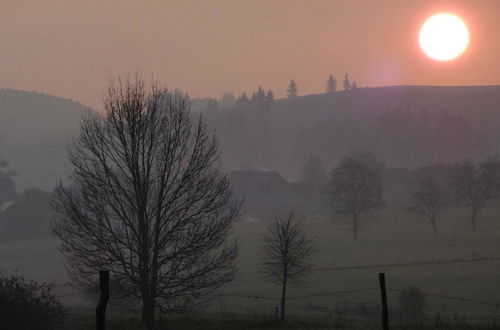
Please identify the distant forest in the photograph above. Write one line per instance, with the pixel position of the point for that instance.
(404, 126)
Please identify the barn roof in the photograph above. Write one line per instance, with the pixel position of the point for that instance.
(257, 181)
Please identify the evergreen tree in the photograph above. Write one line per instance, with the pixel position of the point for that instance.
(253, 99)
(212, 105)
(269, 96)
(292, 89)
(354, 85)
(331, 84)
(260, 96)
(243, 99)
(347, 83)
(227, 100)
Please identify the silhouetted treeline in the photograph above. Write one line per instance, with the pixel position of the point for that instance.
(404, 126)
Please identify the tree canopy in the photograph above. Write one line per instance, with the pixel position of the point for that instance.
(148, 202)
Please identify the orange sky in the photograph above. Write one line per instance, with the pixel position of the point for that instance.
(71, 48)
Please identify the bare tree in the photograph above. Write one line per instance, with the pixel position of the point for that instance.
(147, 201)
(475, 186)
(286, 253)
(356, 188)
(431, 198)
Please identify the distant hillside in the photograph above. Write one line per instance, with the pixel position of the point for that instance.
(34, 131)
(405, 126)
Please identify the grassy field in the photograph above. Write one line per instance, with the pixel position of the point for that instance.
(389, 238)
(394, 237)
(86, 323)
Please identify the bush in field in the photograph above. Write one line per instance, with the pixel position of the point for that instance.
(412, 304)
(28, 305)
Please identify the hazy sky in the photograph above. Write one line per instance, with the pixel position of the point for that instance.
(71, 48)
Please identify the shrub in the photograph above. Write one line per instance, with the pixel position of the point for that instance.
(28, 305)
(412, 303)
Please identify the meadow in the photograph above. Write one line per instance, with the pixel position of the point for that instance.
(456, 269)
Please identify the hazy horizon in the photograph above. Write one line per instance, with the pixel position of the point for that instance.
(284, 207)
(206, 48)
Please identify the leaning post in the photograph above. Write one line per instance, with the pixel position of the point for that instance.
(385, 314)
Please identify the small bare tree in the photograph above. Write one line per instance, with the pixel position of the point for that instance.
(476, 186)
(431, 198)
(412, 303)
(356, 188)
(148, 202)
(286, 254)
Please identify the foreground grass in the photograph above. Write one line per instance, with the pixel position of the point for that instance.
(204, 324)
(87, 322)
(332, 289)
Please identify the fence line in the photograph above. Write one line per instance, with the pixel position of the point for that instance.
(480, 302)
(313, 295)
(333, 293)
(328, 294)
(100, 310)
(247, 296)
(392, 265)
(455, 298)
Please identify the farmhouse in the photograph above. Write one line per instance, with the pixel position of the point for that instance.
(265, 193)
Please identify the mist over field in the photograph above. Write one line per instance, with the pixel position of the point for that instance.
(279, 156)
(330, 171)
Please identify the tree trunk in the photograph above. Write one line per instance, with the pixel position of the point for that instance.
(148, 313)
(283, 296)
(355, 226)
(434, 228)
(473, 220)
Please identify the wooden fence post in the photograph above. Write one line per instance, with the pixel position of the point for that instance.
(100, 310)
(494, 323)
(385, 314)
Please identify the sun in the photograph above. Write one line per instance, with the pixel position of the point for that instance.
(444, 37)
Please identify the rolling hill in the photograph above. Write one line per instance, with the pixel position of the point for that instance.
(405, 126)
(34, 131)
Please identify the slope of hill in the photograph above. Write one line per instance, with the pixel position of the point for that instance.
(34, 131)
(403, 125)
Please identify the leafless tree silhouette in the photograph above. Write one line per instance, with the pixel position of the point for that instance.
(147, 201)
(431, 198)
(356, 188)
(286, 254)
(475, 186)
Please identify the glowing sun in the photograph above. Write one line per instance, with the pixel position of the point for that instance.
(444, 37)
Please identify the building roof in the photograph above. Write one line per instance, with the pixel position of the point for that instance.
(248, 182)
